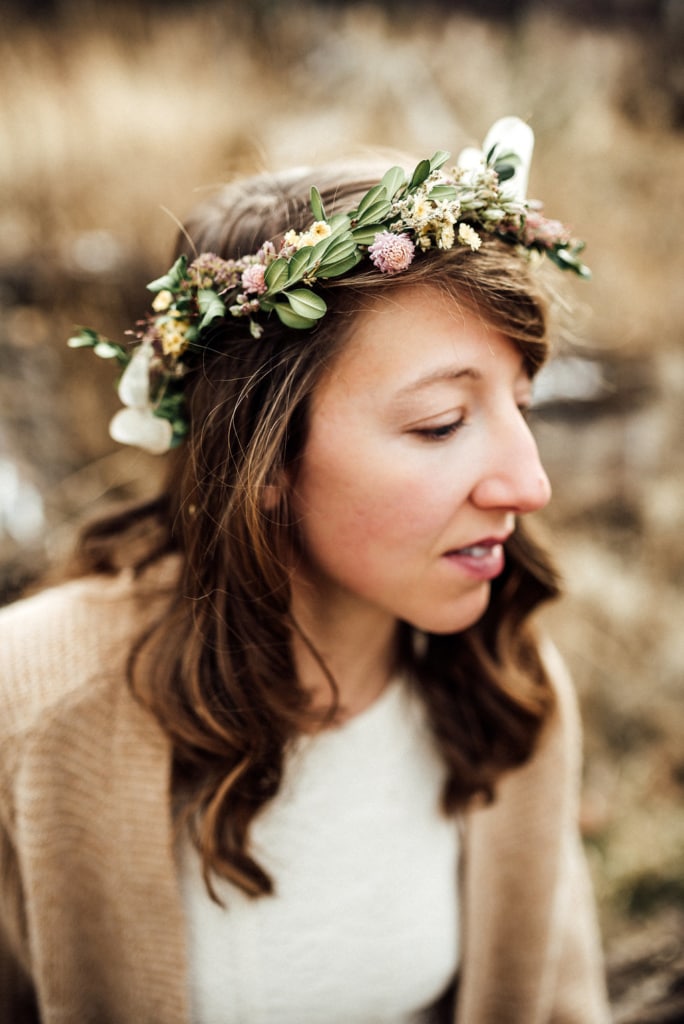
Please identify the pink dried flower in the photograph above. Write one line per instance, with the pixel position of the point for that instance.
(542, 231)
(391, 253)
(253, 278)
(211, 271)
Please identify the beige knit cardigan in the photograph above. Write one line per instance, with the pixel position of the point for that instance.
(91, 922)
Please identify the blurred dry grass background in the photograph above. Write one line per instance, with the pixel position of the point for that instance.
(112, 118)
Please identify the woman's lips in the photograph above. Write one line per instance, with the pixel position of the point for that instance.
(483, 560)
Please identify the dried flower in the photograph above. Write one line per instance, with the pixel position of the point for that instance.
(162, 301)
(319, 229)
(253, 278)
(173, 335)
(468, 236)
(540, 230)
(211, 271)
(391, 253)
(430, 209)
(446, 236)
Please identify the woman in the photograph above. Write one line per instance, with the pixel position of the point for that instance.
(289, 748)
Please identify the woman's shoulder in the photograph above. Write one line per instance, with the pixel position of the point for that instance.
(70, 637)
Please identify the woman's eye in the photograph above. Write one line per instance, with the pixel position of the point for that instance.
(440, 433)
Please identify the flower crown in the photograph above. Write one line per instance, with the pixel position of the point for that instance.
(397, 219)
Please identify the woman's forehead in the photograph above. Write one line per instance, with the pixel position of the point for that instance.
(415, 340)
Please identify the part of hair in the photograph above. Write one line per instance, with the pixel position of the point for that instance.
(217, 670)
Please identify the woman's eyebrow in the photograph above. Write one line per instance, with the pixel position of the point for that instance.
(440, 376)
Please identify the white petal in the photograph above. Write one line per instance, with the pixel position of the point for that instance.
(471, 161)
(134, 386)
(511, 135)
(141, 428)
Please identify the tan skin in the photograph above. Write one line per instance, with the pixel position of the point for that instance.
(418, 449)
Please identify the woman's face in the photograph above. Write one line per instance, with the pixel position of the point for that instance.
(418, 461)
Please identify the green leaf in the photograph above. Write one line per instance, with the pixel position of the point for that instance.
(291, 319)
(210, 305)
(85, 339)
(420, 174)
(297, 266)
(101, 346)
(339, 247)
(340, 237)
(569, 260)
(338, 222)
(276, 275)
(340, 266)
(173, 279)
(108, 350)
(317, 204)
(306, 304)
(371, 197)
(393, 180)
(438, 159)
(504, 171)
(377, 211)
(366, 235)
(447, 192)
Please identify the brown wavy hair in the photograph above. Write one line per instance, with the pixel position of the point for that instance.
(217, 670)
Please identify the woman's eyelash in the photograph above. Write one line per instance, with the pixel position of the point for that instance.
(440, 433)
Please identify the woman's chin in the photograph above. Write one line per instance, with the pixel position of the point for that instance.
(457, 617)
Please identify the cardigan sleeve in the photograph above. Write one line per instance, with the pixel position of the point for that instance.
(580, 991)
(580, 985)
(531, 953)
(17, 1002)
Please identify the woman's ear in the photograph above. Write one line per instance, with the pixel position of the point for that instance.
(270, 496)
(274, 491)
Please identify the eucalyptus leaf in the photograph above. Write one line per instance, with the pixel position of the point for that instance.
(276, 275)
(210, 305)
(292, 319)
(334, 259)
(366, 235)
(420, 174)
(338, 222)
(393, 180)
(317, 204)
(504, 171)
(373, 194)
(108, 350)
(343, 245)
(306, 303)
(379, 210)
(173, 279)
(299, 264)
(340, 266)
(445, 192)
(438, 159)
(84, 339)
(330, 245)
(568, 260)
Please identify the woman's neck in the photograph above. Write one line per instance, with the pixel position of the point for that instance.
(356, 646)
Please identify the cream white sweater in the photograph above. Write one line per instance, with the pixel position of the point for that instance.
(345, 939)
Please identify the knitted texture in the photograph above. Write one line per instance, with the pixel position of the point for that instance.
(91, 921)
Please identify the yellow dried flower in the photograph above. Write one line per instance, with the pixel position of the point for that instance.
(162, 301)
(172, 333)
(318, 230)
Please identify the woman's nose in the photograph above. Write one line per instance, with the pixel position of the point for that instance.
(514, 478)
